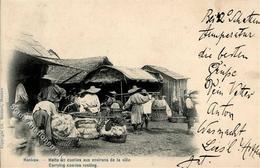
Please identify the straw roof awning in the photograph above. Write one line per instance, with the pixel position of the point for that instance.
(75, 70)
(66, 71)
(111, 74)
(164, 71)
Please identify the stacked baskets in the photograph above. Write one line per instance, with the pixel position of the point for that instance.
(158, 111)
(73, 141)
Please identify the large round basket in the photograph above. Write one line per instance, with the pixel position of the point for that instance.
(159, 114)
(85, 115)
(66, 142)
(116, 139)
(115, 112)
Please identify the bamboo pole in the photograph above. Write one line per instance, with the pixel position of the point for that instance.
(121, 87)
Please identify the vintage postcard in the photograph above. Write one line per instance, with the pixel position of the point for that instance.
(134, 83)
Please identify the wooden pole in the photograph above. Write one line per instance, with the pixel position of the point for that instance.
(121, 87)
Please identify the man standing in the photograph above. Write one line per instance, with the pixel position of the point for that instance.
(190, 111)
(21, 97)
(135, 101)
(51, 92)
(147, 107)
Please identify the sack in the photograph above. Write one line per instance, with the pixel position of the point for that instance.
(63, 125)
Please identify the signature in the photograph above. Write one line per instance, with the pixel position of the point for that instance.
(249, 149)
(198, 161)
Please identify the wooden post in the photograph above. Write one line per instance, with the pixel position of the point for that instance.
(121, 87)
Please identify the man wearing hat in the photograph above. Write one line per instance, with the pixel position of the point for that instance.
(190, 110)
(51, 92)
(147, 107)
(90, 101)
(113, 103)
(135, 101)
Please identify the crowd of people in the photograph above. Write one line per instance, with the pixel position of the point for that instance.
(139, 104)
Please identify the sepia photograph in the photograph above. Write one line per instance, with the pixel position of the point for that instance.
(132, 83)
(90, 103)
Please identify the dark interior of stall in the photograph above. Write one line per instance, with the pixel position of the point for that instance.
(28, 70)
(122, 87)
(110, 79)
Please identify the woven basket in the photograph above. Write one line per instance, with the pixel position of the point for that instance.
(66, 142)
(159, 114)
(85, 115)
(116, 139)
(115, 112)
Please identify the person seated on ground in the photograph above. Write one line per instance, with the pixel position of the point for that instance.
(135, 101)
(89, 101)
(42, 114)
(51, 92)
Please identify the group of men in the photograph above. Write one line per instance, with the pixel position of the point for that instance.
(50, 95)
(137, 102)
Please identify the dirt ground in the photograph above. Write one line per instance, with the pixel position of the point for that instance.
(162, 139)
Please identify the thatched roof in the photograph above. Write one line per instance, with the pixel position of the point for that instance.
(64, 70)
(26, 44)
(135, 73)
(164, 71)
(111, 74)
(75, 70)
(86, 64)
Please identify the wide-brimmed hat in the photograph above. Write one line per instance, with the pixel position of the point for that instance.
(134, 89)
(113, 92)
(93, 89)
(48, 77)
(192, 93)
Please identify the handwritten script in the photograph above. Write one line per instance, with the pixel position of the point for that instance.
(223, 86)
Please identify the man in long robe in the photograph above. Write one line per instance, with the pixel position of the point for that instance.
(147, 109)
(190, 111)
(21, 97)
(135, 101)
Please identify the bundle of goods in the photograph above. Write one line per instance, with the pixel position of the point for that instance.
(158, 111)
(64, 130)
(114, 130)
(63, 125)
(87, 127)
